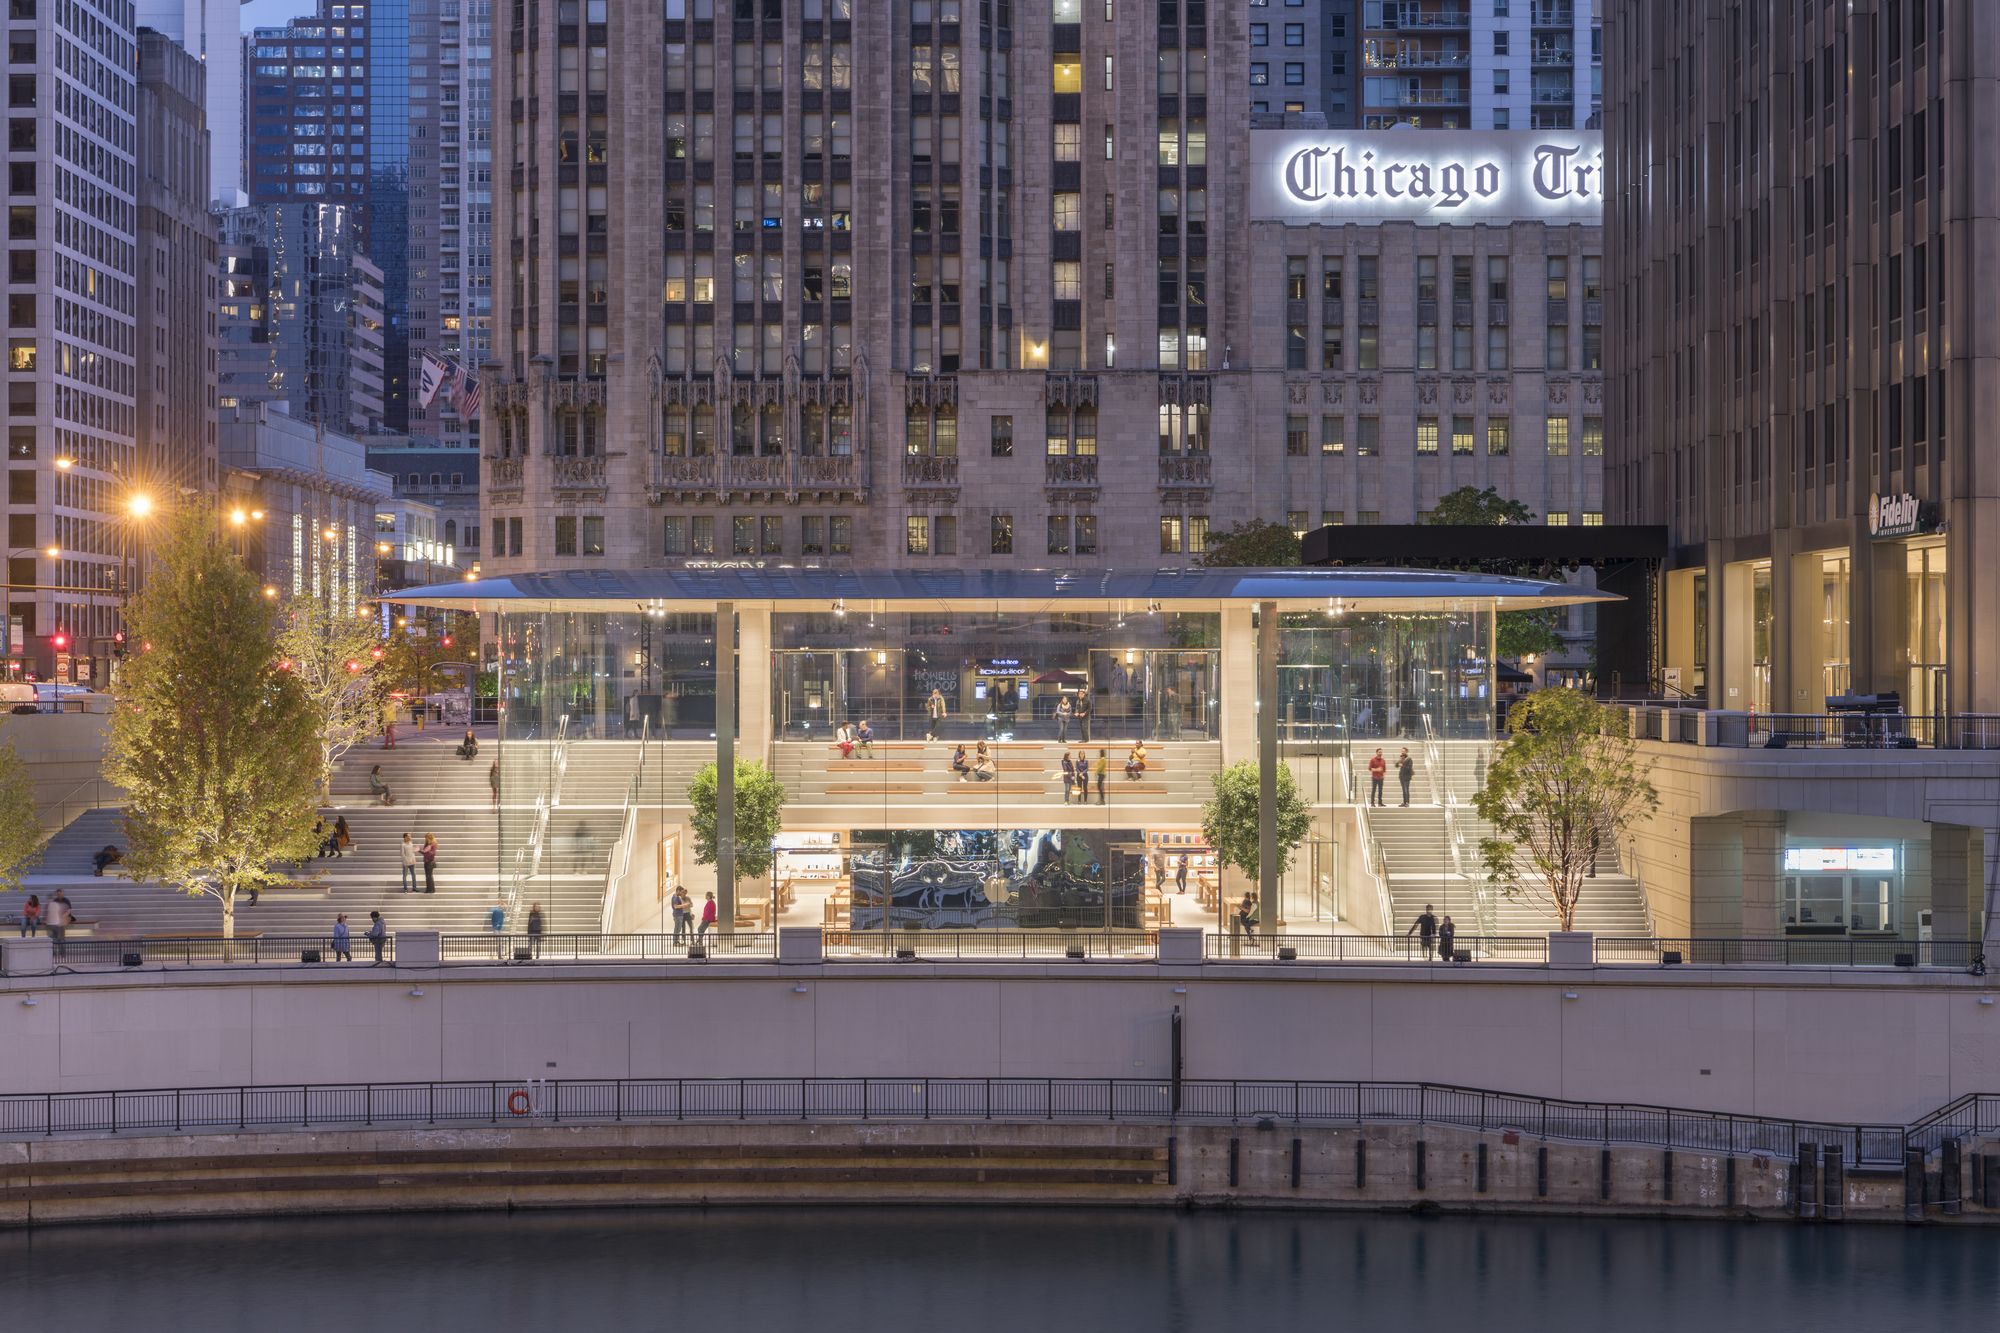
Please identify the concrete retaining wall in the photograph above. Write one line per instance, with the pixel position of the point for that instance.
(1369, 1167)
(1846, 1046)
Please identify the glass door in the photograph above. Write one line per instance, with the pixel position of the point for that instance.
(810, 693)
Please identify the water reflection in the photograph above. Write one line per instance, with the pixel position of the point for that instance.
(978, 1269)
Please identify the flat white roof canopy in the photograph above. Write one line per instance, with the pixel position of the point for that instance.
(785, 588)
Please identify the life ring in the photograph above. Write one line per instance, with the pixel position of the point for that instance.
(518, 1103)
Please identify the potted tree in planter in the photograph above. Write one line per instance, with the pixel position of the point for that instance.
(1566, 781)
(760, 810)
(1229, 824)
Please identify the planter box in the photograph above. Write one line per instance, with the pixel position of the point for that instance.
(801, 944)
(31, 957)
(1571, 948)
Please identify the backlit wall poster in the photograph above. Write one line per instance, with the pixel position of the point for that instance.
(1427, 176)
(981, 879)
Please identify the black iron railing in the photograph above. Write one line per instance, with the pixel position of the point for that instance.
(1111, 1100)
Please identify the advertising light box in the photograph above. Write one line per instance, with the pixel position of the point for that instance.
(1839, 860)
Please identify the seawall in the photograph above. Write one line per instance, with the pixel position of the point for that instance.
(1378, 1167)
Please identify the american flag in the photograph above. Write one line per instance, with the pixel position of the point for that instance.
(468, 397)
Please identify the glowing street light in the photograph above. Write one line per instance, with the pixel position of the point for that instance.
(140, 505)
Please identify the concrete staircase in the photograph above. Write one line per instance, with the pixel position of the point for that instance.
(436, 792)
(918, 774)
(1417, 857)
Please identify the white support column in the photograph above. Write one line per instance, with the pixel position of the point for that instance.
(1237, 711)
(753, 682)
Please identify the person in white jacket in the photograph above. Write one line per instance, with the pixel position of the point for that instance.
(409, 865)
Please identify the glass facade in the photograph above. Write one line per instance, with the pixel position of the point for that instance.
(1019, 769)
(388, 202)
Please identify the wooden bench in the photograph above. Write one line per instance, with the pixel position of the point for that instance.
(884, 765)
(874, 789)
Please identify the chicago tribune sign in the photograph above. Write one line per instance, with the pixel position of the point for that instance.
(1427, 176)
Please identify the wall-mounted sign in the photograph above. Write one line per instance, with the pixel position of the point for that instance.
(1840, 860)
(722, 564)
(1901, 515)
(1427, 176)
(1002, 666)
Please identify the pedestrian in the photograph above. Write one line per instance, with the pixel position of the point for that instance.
(1081, 711)
(342, 945)
(1406, 768)
(343, 837)
(935, 708)
(1063, 711)
(31, 916)
(1592, 872)
(1180, 874)
(378, 935)
(1447, 933)
(1378, 768)
(378, 788)
(1135, 762)
(1170, 714)
(843, 740)
(389, 725)
(496, 921)
(107, 855)
(536, 924)
(1246, 916)
(430, 855)
(1068, 775)
(864, 737)
(409, 865)
(493, 780)
(1102, 765)
(960, 764)
(707, 919)
(468, 749)
(683, 915)
(57, 918)
(1425, 927)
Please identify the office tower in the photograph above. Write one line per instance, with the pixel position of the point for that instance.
(329, 120)
(1798, 246)
(71, 315)
(177, 275)
(211, 32)
(451, 202)
(301, 315)
(1304, 61)
(833, 281)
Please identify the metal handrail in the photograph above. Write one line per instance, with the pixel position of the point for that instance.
(1447, 801)
(1158, 1100)
(619, 864)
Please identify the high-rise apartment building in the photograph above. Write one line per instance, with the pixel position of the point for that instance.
(177, 275)
(301, 315)
(1798, 244)
(72, 214)
(212, 32)
(1434, 64)
(451, 201)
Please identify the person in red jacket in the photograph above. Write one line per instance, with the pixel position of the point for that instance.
(1378, 769)
(707, 919)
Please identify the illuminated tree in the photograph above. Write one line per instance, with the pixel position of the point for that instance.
(336, 659)
(216, 747)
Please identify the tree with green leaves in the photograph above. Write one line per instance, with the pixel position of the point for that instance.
(334, 657)
(415, 663)
(21, 836)
(760, 809)
(1566, 781)
(1469, 507)
(215, 745)
(1229, 818)
(1520, 633)
(1252, 545)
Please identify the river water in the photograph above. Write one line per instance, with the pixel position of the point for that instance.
(972, 1269)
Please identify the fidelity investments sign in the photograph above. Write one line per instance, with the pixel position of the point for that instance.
(1427, 176)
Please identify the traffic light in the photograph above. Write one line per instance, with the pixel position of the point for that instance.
(445, 642)
(59, 641)
(118, 643)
